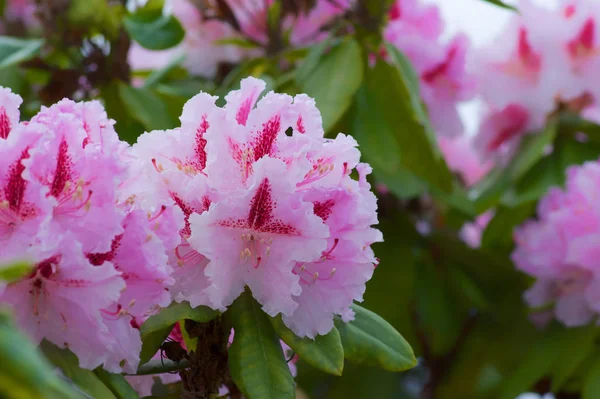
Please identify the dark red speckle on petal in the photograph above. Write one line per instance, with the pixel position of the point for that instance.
(98, 259)
(323, 209)
(200, 150)
(187, 210)
(4, 124)
(14, 191)
(264, 141)
(62, 174)
(261, 206)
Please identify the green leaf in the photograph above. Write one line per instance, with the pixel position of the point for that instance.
(161, 366)
(146, 107)
(591, 384)
(391, 132)
(68, 363)
(24, 374)
(152, 340)
(545, 353)
(236, 41)
(157, 328)
(440, 317)
(117, 384)
(159, 74)
(502, 4)
(153, 29)
(333, 91)
(531, 151)
(311, 61)
(15, 50)
(372, 341)
(580, 345)
(15, 271)
(499, 232)
(573, 124)
(256, 360)
(174, 313)
(325, 352)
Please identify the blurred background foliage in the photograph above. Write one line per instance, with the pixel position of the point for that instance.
(459, 307)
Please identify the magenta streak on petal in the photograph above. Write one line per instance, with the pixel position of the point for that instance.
(99, 259)
(4, 124)
(323, 209)
(14, 191)
(62, 173)
(242, 114)
(264, 141)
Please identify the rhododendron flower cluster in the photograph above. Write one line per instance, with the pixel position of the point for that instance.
(543, 58)
(267, 203)
(99, 262)
(561, 249)
(201, 45)
(416, 30)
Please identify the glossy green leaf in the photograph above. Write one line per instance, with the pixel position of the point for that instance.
(68, 363)
(531, 151)
(325, 352)
(573, 124)
(540, 360)
(174, 313)
(15, 50)
(370, 340)
(146, 107)
(256, 360)
(311, 61)
(502, 4)
(390, 131)
(15, 271)
(153, 29)
(581, 344)
(161, 366)
(24, 374)
(335, 80)
(157, 328)
(441, 318)
(117, 384)
(499, 232)
(591, 384)
(159, 74)
(152, 340)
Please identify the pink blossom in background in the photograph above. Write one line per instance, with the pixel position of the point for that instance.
(202, 50)
(202, 54)
(560, 249)
(416, 29)
(543, 56)
(461, 158)
(21, 12)
(263, 208)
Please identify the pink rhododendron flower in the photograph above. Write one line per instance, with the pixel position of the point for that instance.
(471, 233)
(101, 261)
(264, 208)
(461, 157)
(561, 248)
(416, 30)
(9, 111)
(533, 66)
(63, 299)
